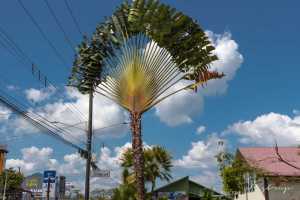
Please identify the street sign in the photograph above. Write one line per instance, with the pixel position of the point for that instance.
(101, 173)
(50, 173)
(49, 176)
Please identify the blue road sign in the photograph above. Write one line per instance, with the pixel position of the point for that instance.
(50, 180)
(49, 176)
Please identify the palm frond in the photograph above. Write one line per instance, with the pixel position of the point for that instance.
(140, 72)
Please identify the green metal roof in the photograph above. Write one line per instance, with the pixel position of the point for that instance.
(188, 186)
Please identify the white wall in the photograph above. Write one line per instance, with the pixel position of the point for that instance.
(258, 193)
(285, 191)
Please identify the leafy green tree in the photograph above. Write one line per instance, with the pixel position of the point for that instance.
(136, 56)
(14, 179)
(157, 165)
(232, 171)
(208, 196)
(124, 192)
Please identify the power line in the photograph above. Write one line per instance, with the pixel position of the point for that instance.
(14, 45)
(27, 105)
(58, 55)
(110, 126)
(68, 40)
(73, 17)
(44, 126)
(16, 51)
(39, 124)
(41, 118)
(5, 46)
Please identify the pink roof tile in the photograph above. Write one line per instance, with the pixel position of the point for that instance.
(266, 159)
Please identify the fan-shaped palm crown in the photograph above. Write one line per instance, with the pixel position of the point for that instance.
(137, 56)
(139, 73)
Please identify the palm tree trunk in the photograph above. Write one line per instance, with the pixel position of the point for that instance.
(137, 146)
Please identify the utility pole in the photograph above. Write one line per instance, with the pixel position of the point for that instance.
(4, 191)
(48, 189)
(89, 147)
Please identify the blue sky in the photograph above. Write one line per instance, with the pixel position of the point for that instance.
(262, 39)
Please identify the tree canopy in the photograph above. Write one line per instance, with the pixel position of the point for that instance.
(157, 165)
(14, 179)
(188, 44)
(136, 56)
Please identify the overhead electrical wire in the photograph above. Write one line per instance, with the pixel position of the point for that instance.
(26, 106)
(73, 17)
(12, 52)
(36, 122)
(16, 51)
(67, 38)
(43, 34)
(39, 121)
(42, 125)
(14, 46)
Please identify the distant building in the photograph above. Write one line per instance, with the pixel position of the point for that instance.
(72, 192)
(3, 152)
(34, 184)
(102, 193)
(279, 173)
(61, 187)
(185, 189)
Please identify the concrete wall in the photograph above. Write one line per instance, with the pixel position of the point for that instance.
(284, 191)
(258, 193)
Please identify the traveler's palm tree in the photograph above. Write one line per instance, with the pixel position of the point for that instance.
(157, 164)
(137, 57)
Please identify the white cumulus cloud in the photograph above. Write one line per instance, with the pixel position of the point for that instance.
(200, 130)
(200, 161)
(33, 159)
(36, 95)
(201, 155)
(180, 108)
(296, 112)
(68, 110)
(230, 60)
(4, 113)
(264, 129)
(36, 159)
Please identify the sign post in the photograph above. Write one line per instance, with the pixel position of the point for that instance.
(49, 184)
(101, 173)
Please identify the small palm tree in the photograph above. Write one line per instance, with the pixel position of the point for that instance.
(124, 192)
(157, 164)
(160, 164)
(137, 57)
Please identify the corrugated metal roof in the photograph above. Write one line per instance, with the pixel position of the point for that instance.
(266, 159)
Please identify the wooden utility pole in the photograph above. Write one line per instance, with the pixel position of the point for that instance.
(5, 184)
(89, 147)
(48, 189)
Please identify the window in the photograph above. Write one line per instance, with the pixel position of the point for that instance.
(250, 181)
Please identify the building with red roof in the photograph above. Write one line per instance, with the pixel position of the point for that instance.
(276, 173)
